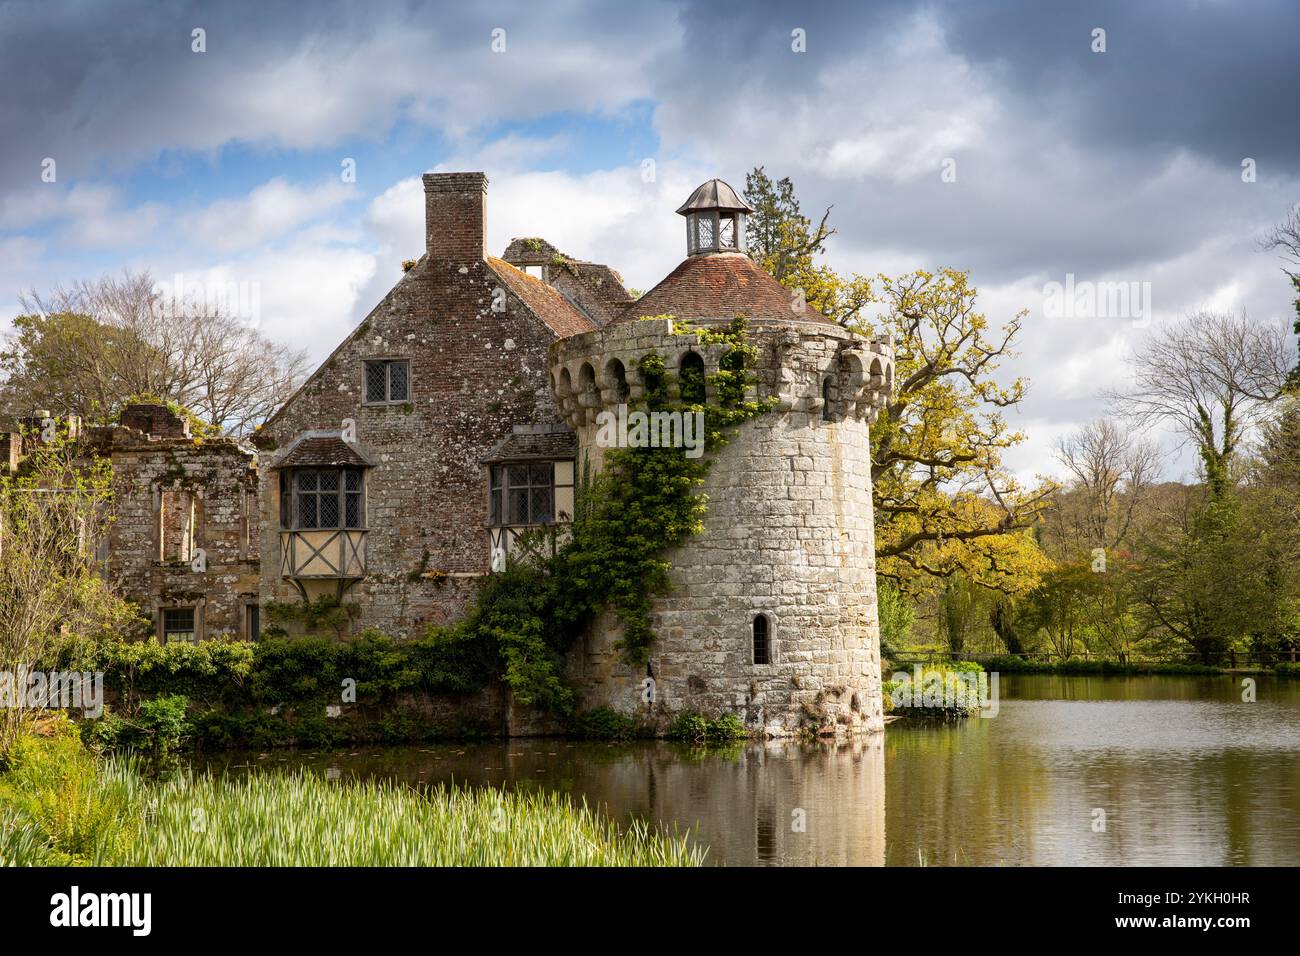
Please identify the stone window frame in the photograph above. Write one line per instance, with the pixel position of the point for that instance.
(197, 525)
(388, 361)
(249, 519)
(252, 613)
(770, 619)
(197, 621)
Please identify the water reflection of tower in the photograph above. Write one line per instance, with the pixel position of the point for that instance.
(740, 802)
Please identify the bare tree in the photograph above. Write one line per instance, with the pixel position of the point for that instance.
(1110, 470)
(1212, 376)
(88, 348)
(1285, 238)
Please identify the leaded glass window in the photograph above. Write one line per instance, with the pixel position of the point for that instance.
(322, 498)
(522, 494)
(388, 380)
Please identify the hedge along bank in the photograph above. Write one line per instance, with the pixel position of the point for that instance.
(310, 691)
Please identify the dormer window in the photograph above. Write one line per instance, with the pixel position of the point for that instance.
(323, 481)
(715, 219)
(312, 498)
(522, 494)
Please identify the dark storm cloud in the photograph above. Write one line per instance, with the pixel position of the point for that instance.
(1217, 78)
(102, 88)
(1068, 160)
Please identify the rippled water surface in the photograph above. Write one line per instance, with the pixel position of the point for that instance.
(1184, 771)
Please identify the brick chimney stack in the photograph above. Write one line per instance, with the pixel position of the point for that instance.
(455, 216)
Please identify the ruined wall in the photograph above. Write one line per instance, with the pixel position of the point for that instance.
(788, 533)
(474, 373)
(172, 497)
(594, 288)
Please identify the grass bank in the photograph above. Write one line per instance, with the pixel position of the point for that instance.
(1016, 665)
(1011, 664)
(60, 805)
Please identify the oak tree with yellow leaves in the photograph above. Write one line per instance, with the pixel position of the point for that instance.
(944, 501)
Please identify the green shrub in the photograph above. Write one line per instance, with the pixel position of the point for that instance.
(163, 722)
(604, 723)
(57, 807)
(940, 693)
(289, 670)
(210, 672)
(109, 731)
(693, 727)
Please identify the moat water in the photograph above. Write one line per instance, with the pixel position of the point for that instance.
(1101, 771)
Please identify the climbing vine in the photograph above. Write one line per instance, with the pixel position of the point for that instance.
(326, 611)
(642, 504)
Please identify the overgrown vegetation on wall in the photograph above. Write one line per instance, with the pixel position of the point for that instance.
(274, 692)
(643, 503)
(612, 557)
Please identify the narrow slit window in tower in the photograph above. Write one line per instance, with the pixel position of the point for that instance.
(761, 649)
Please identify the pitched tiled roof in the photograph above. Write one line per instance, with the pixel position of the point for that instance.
(720, 285)
(604, 282)
(548, 305)
(534, 443)
(315, 449)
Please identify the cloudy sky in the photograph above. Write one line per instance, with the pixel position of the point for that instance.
(983, 136)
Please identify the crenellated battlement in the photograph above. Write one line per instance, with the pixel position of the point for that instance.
(806, 367)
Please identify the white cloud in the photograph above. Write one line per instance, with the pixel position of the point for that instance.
(302, 293)
(91, 215)
(269, 211)
(610, 216)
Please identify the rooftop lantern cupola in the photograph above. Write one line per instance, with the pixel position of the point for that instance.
(715, 219)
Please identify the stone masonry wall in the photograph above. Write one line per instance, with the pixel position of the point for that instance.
(788, 533)
(474, 373)
(216, 483)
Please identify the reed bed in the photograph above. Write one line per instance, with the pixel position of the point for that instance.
(299, 819)
(60, 806)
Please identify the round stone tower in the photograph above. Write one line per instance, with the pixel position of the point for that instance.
(772, 610)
